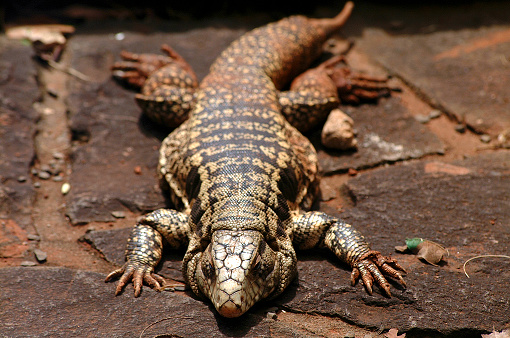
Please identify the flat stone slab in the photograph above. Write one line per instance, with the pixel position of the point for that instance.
(18, 91)
(462, 206)
(386, 133)
(61, 302)
(463, 72)
(114, 169)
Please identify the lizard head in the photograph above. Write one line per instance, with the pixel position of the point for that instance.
(237, 269)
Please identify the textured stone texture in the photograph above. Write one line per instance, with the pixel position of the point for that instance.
(463, 206)
(464, 72)
(60, 302)
(18, 91)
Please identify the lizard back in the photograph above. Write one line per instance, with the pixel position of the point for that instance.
(238, 144)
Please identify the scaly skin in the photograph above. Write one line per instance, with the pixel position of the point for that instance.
(239, 170)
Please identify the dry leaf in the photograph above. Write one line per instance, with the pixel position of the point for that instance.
(47, 34)
(424, 249)
(47, 40)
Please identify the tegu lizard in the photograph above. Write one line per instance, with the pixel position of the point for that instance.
(239, 172)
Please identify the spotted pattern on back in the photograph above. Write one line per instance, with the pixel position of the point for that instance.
(241, 172)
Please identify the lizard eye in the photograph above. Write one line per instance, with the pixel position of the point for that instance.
(207, 264)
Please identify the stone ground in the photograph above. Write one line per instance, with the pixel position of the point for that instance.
(432, 162)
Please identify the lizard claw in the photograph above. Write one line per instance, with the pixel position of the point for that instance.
(138, 273)
(134, 69)
(372, 266)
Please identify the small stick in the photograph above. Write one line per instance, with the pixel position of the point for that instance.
(156, 322)
(68, 70)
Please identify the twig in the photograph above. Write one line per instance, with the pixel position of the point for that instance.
(481, 256)
(68, 70)
(159, 321)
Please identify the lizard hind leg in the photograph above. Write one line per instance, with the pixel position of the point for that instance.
(316, 92)
(311, 97)
(354, 87)
(168, 106)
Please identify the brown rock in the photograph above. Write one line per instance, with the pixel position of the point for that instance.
(466, 212)
(385, 132)
(92, 309)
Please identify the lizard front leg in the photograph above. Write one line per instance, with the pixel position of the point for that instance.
(317, 229)
(167, 84)
(145, 246)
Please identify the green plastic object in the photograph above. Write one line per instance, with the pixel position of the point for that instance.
(412, 243)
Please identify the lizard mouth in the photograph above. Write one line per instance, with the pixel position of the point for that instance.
(232, 308)
(230, 312)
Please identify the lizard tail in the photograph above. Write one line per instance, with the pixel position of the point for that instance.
(329, 26)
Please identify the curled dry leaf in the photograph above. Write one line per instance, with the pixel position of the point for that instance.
(47, 40)
(47, 34)
(430, 252)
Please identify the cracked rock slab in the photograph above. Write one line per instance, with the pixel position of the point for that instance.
(386, 132)
(60, 302)
(461, 205)
(465, 72)
(18, 118)
(114, 158)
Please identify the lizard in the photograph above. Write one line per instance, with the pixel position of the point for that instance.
(240, 173)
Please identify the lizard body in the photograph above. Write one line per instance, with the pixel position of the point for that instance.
(238, 169)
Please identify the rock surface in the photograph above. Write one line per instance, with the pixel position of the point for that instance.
(18, 91)
(464, 207)
(60, 302)
(338, 132)
(449, 203)
(463, 71)
(385, 133)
